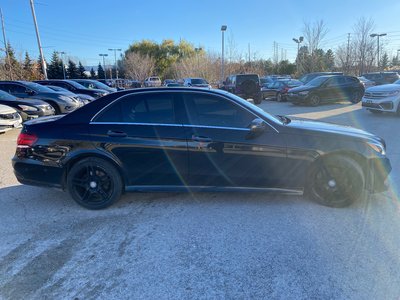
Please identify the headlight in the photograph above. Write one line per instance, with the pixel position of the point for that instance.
(27, 108)
(304, 93)
(100, 94)
(392, 93)
(377, 147)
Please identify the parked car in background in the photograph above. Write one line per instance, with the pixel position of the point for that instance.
(327, 88)
(366, 82)
(272, 78)
(9, 118)
(28, 109)
(132, 84)
(196, 82)
(310, 76)
(173, 84)
(85, 99)
(130, 140)
(382, 77)
(383, 98)
(61, 103)
(74, 87)
(94, 84)
(279, 88)
(167, 81)
(245, 86)
(153, 81)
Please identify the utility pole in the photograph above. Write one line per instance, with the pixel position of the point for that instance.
(348, 53)
(38, 40)
(8, 60)
(115, 60)
(298, 42)
(104, 64)
(223, 29)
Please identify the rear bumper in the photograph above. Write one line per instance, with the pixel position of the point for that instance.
(379, 169)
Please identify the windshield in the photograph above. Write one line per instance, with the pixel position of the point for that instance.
(199, 81)
(76, 85)
(317, 81)
(242, 78)
(6, 96)
(57, 88)
(397, 81)
(37, 87)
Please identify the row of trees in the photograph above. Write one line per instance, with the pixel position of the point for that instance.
(177, 60)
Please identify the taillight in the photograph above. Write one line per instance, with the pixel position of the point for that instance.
(26, 140)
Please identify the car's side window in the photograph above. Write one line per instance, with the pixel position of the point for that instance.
(209, 110)
(17, 89)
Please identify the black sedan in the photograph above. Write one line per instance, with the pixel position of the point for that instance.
(327, 88)
(74, 87)
(279, 88)
(195, 139)
(27, 108)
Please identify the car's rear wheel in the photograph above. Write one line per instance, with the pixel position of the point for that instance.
(94, 183)
(336, 181)
(279, 97)
(314, 100)
(355, 97)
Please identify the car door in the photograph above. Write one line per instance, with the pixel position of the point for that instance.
(221, 152)
(143, 133)
(328, 90)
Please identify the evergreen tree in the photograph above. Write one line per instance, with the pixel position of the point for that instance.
(384, 61)
(28, 68)
(13, 64)
(55, 68)
(81, 71)
(39, 69)
(329, 60)
(72, 71)
(100, 72)
(92, 74)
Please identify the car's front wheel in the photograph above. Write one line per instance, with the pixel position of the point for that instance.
(94, 183)
(314, 100)
(336, 181)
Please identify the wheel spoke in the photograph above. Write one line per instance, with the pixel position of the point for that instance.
(87, 195)
(80, 182)
(102, 193)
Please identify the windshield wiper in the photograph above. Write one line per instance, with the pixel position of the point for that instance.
(284, 119)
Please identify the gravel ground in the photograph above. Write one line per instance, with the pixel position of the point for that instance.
(203, 245)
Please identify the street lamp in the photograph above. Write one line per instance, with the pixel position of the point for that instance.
(104, 64)
(298, 41)
(377, 35)
(62, 60)
(115, 59)
(223, 29)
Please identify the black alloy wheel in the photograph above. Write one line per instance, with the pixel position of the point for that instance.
(314, 100)
(355, 97)
(94, 183)
(336, 181)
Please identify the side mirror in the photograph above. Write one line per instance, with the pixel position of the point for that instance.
(29, 92)
(257, 127)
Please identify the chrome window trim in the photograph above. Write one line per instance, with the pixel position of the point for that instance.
(167, 91)
(171, 125)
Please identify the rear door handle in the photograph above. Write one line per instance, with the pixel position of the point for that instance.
(112, 133)
(203, 139)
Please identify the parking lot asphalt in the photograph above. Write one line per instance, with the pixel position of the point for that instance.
(204, 245)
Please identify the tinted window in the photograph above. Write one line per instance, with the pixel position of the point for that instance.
(16, 89)
(214, 111)
(37, 87)
(243, 78)
(155, 108)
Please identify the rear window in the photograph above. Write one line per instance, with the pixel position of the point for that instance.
(242, 78)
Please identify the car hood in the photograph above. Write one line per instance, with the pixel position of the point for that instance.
(200, 85)
(324, 128)
(4, 109)
(301, 88)
(384, 88)
(31, 101)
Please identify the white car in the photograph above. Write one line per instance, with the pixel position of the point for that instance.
(383, 98)
(9, 118)
(152, 81)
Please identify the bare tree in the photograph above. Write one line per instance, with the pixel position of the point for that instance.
(363, 45)
(138, 66)
(314, 33)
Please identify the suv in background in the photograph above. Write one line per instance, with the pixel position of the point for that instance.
(382, 77)
(310, 76)
(196, 82)
(152, 81)
(245, 86)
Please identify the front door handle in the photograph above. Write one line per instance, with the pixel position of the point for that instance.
(199, 138)
(112, 133)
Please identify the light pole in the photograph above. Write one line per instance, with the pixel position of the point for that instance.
(298, 41)
(377, 35)
(104, 64)
(38, 40)
(115, 59)
(62, 60)
(223, 29)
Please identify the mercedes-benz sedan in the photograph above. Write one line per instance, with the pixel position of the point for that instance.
(195, 139)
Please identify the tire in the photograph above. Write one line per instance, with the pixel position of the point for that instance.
(257, 99)
(56, 108)
(355, 97)
(94, 183)
(336, 181)
(314, 100)
(279, 97)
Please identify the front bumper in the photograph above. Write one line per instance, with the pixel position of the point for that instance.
(379, 169)
(387, 104)
(296, 98)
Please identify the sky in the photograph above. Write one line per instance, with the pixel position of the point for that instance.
(85, 28)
